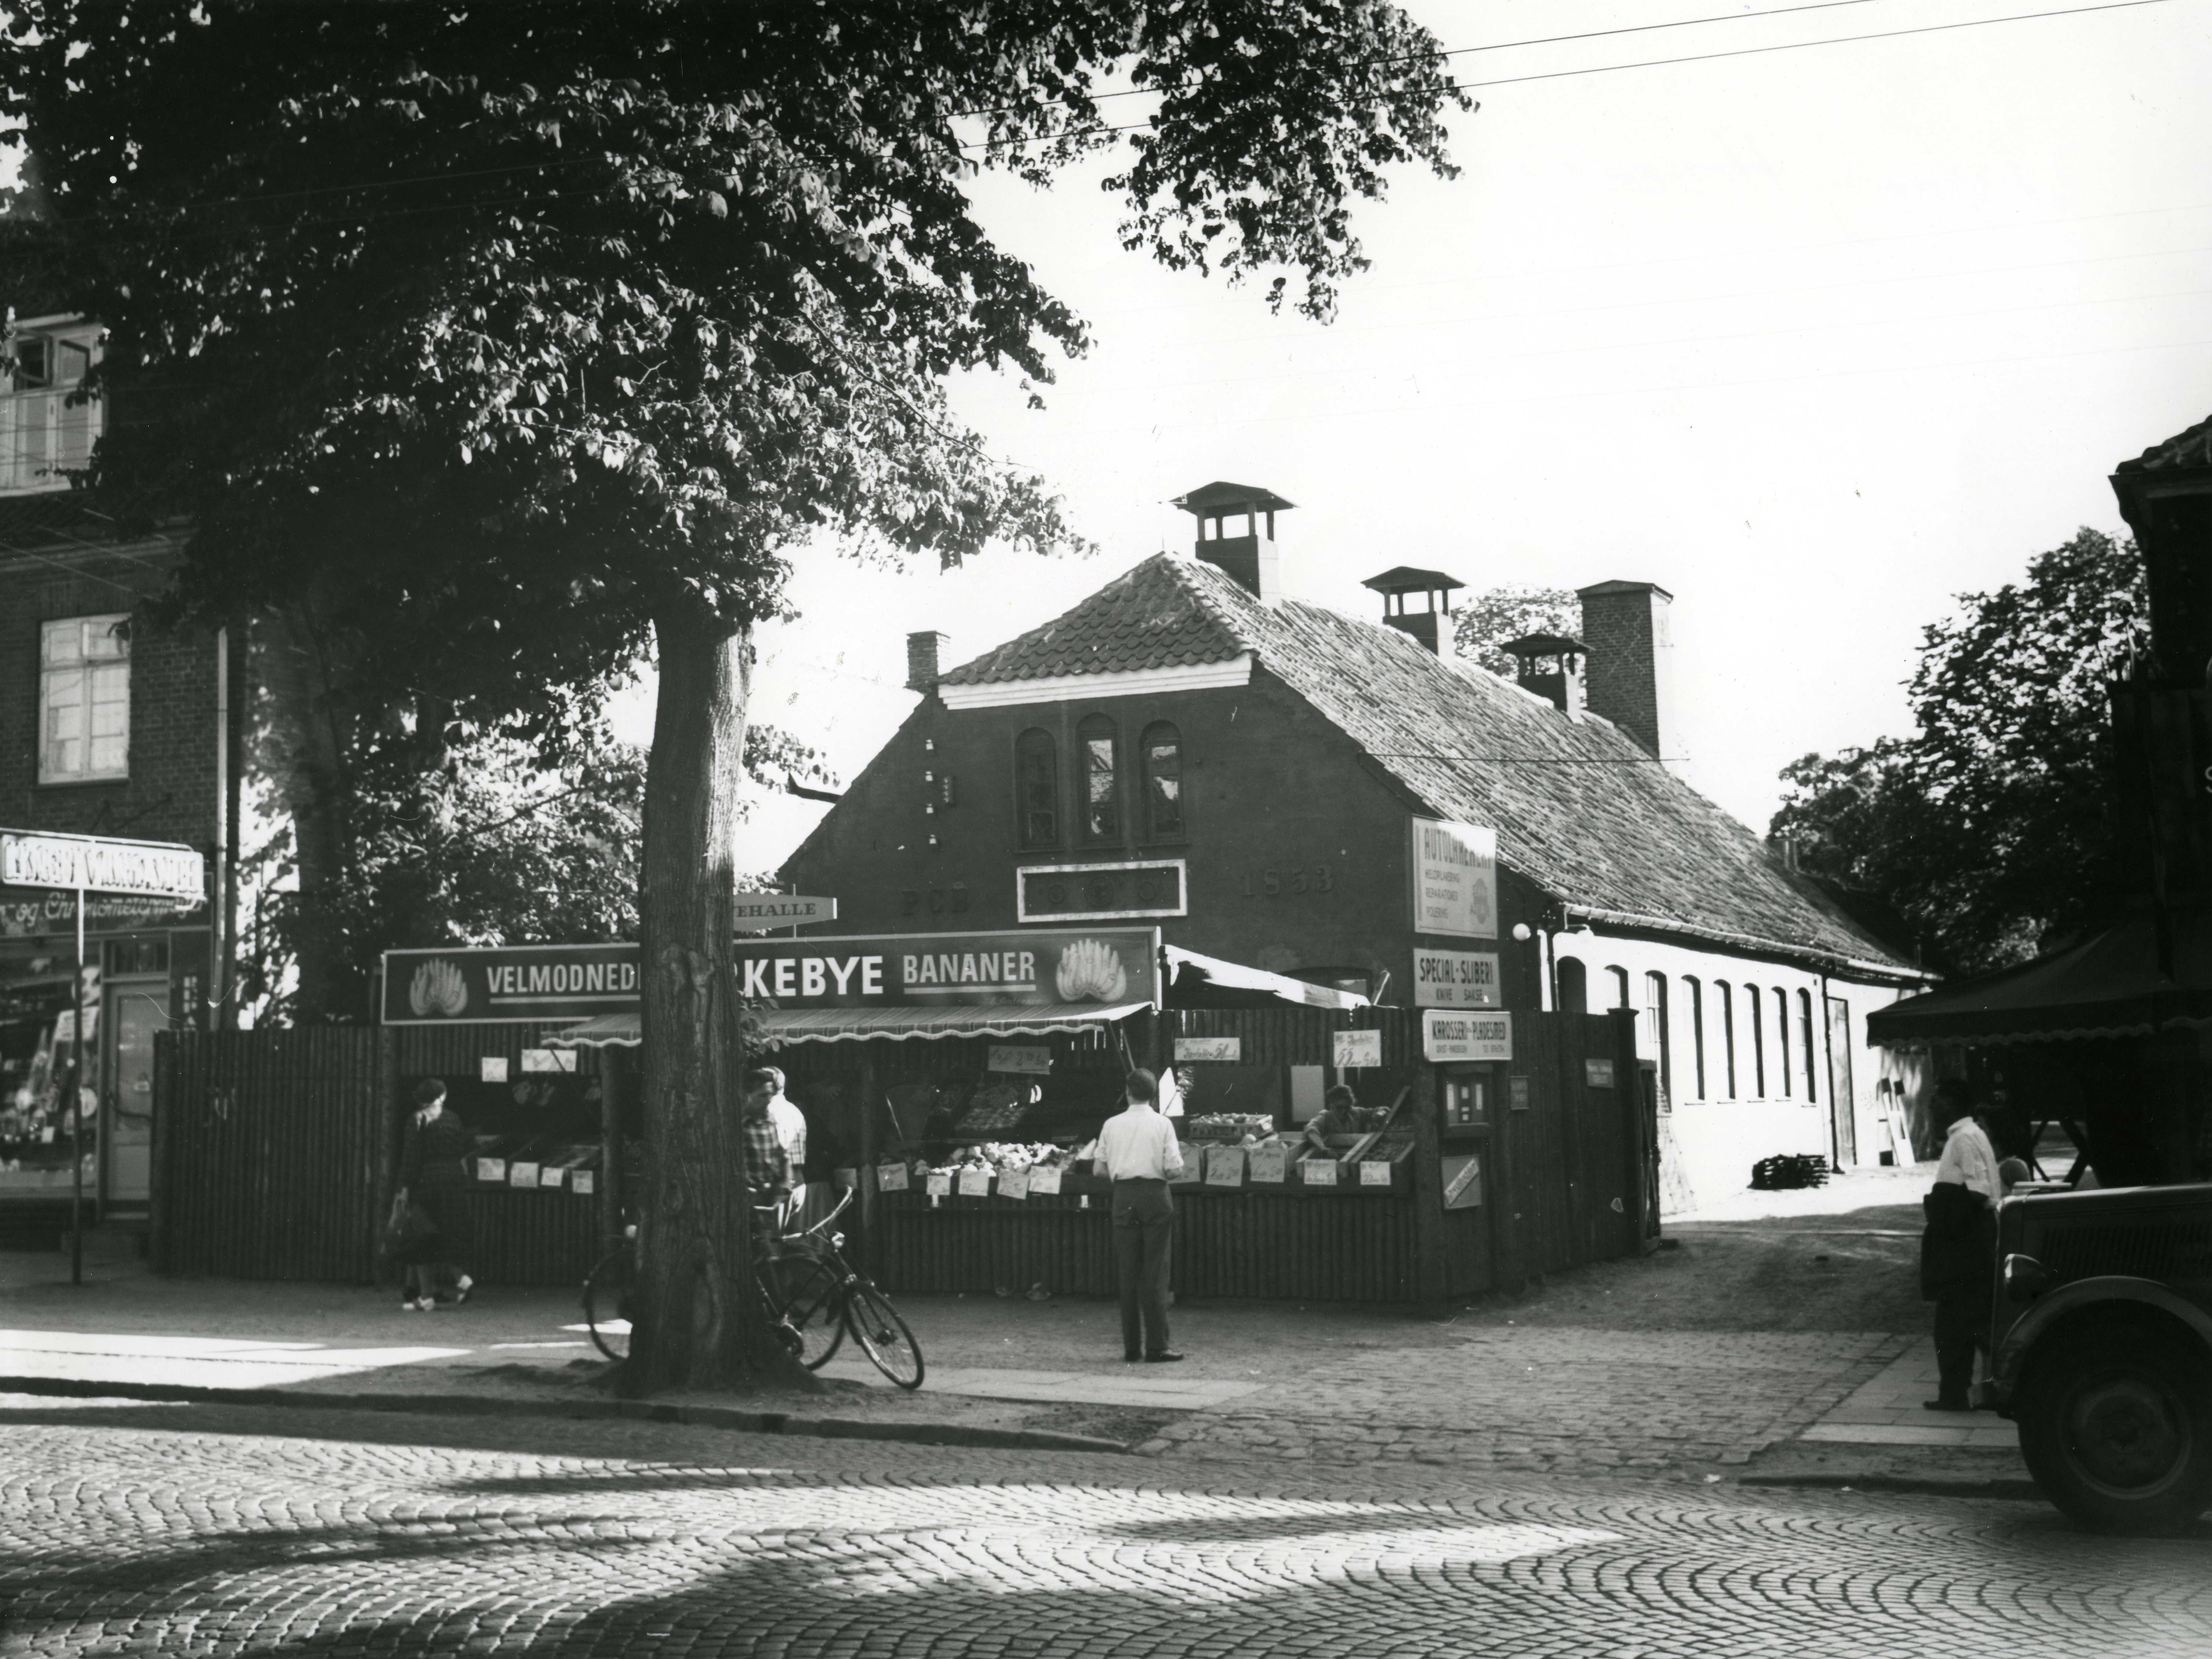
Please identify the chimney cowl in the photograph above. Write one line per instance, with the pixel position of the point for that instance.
(1432, 622)
(1551, 665)
(924, 652)
(1248, 557)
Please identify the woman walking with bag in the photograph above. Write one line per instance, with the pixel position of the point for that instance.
(434, 1175)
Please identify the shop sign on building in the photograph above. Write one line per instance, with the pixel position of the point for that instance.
(1049, 968)
(757, 913)
(508, 984)
(1455, 979)
(1101, 892)
(1447, 1034)
(1455, 879)
(146, 869)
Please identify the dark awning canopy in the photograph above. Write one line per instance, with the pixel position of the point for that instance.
(2113, 984)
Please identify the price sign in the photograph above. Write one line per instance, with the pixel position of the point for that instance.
(491, 1169)
(1045, 1178)
(937, 1183)
(552, 1177)
(581, 1181)
(519, 1174)
(1317, 1171)
(975, 1183)
(1228, 1049)
(1351, 1048)
(890, 1178)
(1224, 1166)
(1013, 1183)
(1269, 1165)
(1375, 1172)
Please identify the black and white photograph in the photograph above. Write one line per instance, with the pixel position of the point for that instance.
(1041, 829)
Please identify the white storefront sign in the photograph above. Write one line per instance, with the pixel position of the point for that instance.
(1455, 979)
(148, 867)
(1447, 1034)
(1455, 879)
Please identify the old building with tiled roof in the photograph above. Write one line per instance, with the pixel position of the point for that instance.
(1189, 745)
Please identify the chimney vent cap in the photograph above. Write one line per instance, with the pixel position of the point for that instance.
(1220, 496)
(1544, 645)
(1410, 578)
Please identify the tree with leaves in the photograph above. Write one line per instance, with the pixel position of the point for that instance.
(1989, 832)
(1512, 612)
(511, 344)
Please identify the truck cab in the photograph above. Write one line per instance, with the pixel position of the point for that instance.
(2100, 1351)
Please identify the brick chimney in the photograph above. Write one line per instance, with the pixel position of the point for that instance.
(922, 651)
(1418, 602)
(1237, 533)
(1631, 658)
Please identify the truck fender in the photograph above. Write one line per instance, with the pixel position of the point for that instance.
(2072, 1298)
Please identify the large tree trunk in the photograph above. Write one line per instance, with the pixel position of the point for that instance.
(306, 755)
(695, 1319)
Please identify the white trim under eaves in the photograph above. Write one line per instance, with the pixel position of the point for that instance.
(1135, 681)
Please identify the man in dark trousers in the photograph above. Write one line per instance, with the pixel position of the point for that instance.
(1958, 1250)
(1138, 1147)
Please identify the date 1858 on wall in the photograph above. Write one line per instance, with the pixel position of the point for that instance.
(1092, 892)
(1296, 880)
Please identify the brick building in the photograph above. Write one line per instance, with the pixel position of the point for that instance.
(1276, 784)
(111, 726)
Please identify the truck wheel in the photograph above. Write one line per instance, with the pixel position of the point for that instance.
(2116, 1430)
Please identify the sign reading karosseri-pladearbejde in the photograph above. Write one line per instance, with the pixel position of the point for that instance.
(152, 869)
(1046, 967)
(1448, 1034)
(1455, 879)
(1041, 967)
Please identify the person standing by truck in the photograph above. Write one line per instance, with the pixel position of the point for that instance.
(1958, 1249)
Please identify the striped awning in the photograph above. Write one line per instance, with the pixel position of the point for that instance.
(858, 1025)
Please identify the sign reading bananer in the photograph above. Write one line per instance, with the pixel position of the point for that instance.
(1041, 967)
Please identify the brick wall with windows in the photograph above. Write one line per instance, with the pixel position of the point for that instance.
(169, 792)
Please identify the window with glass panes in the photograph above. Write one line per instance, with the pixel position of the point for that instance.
(1099, 742)
(84, 699)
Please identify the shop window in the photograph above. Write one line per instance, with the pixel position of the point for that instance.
(1725, 1001)
(84, 700)
(1573, 996)
(1805, 1044)
(1466, 1101)
(1100, 745)
(1037, 785)
(1754, 1017)
(1697, 1036)
(1162, 748)
(1782, 1041)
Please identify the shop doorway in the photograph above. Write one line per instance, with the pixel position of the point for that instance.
(1842, 1105)
(136, 1009)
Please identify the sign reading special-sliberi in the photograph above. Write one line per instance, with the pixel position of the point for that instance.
(539, 983)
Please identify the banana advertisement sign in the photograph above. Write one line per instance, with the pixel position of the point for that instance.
(1092, 967)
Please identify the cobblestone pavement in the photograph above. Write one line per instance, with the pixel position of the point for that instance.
(1547, 1398)
(177, 1530)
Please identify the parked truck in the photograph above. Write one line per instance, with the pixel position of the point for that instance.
(2101, 1351)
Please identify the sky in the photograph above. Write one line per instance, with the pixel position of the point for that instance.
(1814, 338)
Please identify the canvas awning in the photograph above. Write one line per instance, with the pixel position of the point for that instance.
(1199, 982)
(858, 1025)
(2113, 984)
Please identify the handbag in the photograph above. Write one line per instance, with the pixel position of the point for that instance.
(407, 1227)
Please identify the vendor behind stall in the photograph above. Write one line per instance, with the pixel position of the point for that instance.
(1339, 1116)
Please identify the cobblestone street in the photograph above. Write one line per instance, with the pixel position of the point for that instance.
(145, 1528)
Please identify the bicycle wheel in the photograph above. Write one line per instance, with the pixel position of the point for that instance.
(606, 1304)
(801, 1293)
(882, 1335)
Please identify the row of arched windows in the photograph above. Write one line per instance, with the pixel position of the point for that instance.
(1744, 1042)
(1100, 777)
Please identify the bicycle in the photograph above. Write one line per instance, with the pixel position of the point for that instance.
(816, 1297)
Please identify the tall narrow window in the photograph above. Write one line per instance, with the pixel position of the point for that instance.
(1754, 1016)
(1697, 1036)
(84, 700)
(1782, 1041)
(1036, 787)
(1574, 986)
(1101, 778)
(1658, 1044)
(1805, 1043)
(1725, 1000)
(1619, 978)
(1163, 755)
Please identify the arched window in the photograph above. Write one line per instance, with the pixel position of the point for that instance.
(1805, 1041)
(1724, 1000)
(1782, 1040)
(1620, 977)
(1162, 750)
(1573, 996)
(1754, 1016)
(1037, 788)
(1100, 745)
(1659, 1044)
(1697, 1036)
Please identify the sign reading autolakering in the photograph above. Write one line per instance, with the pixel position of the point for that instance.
(1454, 868)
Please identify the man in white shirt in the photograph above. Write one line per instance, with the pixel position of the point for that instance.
(1968, 1158)
(1138, 1147)
(791, 1129)
(1957, 1252)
